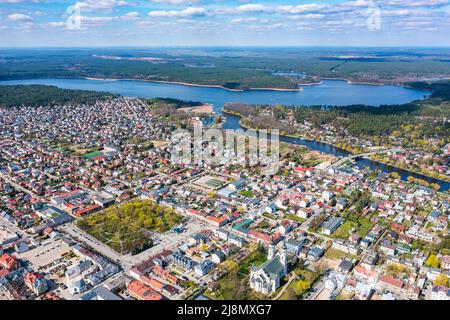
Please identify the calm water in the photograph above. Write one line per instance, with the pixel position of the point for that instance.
(327, 93)
(330, 92)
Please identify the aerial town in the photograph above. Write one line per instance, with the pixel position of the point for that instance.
(93, 208)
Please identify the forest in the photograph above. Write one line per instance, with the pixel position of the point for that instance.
(239, 68)
(40, 95)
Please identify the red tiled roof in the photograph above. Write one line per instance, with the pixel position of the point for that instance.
(142, 292)
(391, 281)
(7, 261)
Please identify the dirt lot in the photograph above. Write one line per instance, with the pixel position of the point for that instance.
(207, 108)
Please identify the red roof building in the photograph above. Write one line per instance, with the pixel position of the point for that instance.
(8, 262)
(141, 292)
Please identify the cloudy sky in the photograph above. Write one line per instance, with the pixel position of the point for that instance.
(35, 23)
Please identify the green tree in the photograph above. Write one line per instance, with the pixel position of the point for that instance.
(302, 286)
(433, 261)
(441, 280)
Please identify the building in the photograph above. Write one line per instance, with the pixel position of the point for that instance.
(294, 245)
(183, 261)
(330, 226)
(440, 293)
(226, 193)
(36, 283)
(346, 265)
(78, 269)
(8, 262)
(218, 256)
(391, 284)
(7, 236)
(77, 287)
(236, 240)
(266, 278)
(203, 267)
(445, 262)
(315, 253)
(140, 291)
(100, 293)
(346, 247)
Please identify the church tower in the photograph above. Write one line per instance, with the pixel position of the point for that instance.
(283, 257)
(271, 253)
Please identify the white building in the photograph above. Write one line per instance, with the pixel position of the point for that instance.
(266, 278)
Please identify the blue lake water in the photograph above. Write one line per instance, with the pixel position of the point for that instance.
(329, 92)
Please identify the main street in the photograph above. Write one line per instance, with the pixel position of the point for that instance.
(167, 241)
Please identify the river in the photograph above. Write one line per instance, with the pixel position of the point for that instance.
(329, 92)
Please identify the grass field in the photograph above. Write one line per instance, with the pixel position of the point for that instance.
(234, 285)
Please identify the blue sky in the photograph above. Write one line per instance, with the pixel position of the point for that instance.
(226, 23)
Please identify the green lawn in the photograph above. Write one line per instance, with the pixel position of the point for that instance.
(234, 285)
(247, 193)
(294, 217)
(365, 226)
(343, 231)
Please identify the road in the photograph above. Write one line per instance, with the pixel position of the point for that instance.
(20, 188)
(168, 241)
(292, 277)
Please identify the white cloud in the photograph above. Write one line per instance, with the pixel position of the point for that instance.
(253, 8)
(133, 15)
(19, 17)
(176, 2)
(188, 12)
(103, 5)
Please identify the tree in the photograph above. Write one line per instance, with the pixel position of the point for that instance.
(212, 194)
(395, 175)
(433, 261)
(441, 280)
(435, 186)
(302, 286)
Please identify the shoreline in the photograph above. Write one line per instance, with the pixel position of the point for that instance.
(249, 89)
(414, 172)
(334, 146)
(300, 89)
(187, 84)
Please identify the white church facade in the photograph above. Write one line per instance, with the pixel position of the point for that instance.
(266, 278)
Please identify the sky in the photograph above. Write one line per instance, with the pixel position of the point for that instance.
(168, 23)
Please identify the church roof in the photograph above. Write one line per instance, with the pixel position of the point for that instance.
(272, 267)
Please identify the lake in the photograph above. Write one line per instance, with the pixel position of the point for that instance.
(329, 92)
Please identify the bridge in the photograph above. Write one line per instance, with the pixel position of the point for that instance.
(356, 156)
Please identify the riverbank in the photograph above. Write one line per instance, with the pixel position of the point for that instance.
(447, 180)
(415, 174)
(283, 134)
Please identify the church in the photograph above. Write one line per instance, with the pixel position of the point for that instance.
(267, 277)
